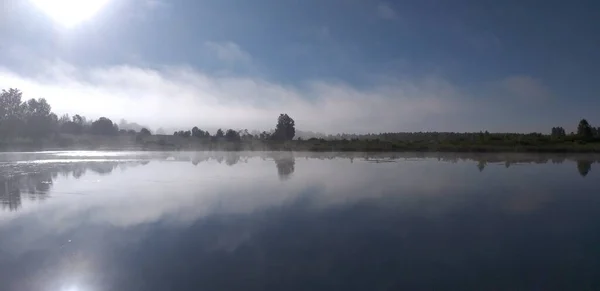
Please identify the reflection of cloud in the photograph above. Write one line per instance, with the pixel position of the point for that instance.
(175, 191)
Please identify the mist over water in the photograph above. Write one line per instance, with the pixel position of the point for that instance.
(298, 221)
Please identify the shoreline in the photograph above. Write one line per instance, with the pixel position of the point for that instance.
(176, 143)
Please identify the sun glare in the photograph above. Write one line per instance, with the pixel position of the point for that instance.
(70, 12)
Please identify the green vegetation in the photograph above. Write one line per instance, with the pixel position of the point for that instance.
(31, 125)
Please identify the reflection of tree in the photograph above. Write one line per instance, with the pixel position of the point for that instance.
(584, 167)
(232, 158)
(102, 168)
(285, 164)
(10, 196)
(481, 165)
(35, 183)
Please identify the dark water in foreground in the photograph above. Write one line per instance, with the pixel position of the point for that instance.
(87, 221)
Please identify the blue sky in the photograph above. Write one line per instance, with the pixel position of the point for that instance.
(333, 65)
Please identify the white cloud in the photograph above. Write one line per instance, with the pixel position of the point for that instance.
(228, 51)
(386, 12)
(182, 97)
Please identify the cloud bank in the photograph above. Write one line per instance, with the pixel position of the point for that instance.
(184, 97)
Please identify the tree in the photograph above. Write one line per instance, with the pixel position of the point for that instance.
(558, 132)
(144, 131)
(196, 132)
(71, 127)
(285, 128)
(232, 135)
(104, 126)
(584, 130)
(11, 122)
(10, 104)
(78, 119)
(38, 117)
(220, 133)
(264, 135)
(64, 119)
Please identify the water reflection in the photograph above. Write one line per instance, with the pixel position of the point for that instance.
(349, 221)
(34, 186)
(584, 167)
(33, 182)
(285, 164)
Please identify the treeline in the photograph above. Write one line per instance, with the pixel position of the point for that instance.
(585, 132)
(34, 119)
(285, 129)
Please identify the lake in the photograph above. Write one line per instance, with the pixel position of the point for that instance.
(88, 221)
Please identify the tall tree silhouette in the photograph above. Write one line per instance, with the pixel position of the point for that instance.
(584, 129)
(220, 133)
(285, 128)
(104, 126)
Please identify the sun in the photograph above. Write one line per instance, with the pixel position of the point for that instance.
(70, 13)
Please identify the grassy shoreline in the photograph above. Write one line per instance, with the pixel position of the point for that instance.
(176, 143)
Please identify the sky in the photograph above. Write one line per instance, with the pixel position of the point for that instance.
(351, 66)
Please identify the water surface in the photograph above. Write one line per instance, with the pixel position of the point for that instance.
(297, 221)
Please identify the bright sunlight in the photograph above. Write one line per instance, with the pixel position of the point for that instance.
(70, 13)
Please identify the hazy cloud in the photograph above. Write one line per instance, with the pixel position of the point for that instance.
(179, 96)
(228, 51)
(385, 11)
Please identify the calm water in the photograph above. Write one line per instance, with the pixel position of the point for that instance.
(88, 221)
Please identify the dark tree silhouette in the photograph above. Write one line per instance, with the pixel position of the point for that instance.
(584, 130)
(558, 132)
(196, 132)
(104, 126)
(39, 119)
(199, 133)
(232, 135)
(220, 133)
(145, 132)
(182, 133)
(285, 128)
(11, 113)
(264, 135)
(10, 104)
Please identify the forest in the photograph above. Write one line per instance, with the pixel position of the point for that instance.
(31, 125)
